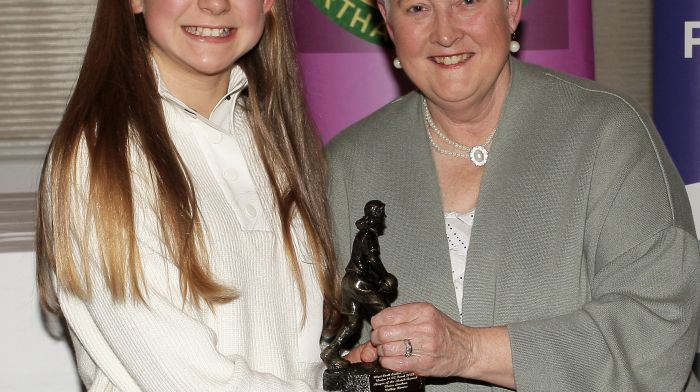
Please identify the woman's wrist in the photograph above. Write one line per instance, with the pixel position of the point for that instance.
(490, 358)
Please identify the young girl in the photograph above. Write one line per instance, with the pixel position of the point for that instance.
(182, 229)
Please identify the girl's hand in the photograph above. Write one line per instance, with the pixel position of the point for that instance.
(365, 352)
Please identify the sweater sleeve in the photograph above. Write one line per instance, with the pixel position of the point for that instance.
(638, 331)
(158, 347)
(162, 344)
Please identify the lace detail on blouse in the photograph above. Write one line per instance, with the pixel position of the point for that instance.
(459, 227)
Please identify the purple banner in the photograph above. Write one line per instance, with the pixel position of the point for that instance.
(348, 75)
(677, 83)
(677, 93)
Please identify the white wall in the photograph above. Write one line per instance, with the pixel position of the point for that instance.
(32, 361)
(20, 165)
(19, 176)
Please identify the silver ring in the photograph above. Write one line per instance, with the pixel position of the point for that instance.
(408, 347)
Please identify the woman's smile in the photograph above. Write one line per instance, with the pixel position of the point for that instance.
(456, 59)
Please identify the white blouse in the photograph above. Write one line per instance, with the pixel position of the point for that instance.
(459, 228)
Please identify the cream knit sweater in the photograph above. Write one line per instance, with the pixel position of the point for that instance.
(255, 343)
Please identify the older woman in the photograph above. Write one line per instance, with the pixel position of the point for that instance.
(582, 264)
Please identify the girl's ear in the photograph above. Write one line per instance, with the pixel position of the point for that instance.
(267, 5)
(137, 6)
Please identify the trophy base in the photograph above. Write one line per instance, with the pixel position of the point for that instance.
(371, 377)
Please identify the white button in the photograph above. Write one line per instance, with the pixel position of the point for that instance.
(231, 174)
(251, 211)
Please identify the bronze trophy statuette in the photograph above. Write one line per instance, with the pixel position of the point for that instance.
(367, 288)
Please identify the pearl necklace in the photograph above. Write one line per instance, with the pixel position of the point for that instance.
(478, 154)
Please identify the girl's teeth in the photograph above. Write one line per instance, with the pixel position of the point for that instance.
(208, 32)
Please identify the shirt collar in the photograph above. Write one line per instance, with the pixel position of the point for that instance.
(237, 82)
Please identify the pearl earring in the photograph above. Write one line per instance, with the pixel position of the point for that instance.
(397, 63)
(514, 45)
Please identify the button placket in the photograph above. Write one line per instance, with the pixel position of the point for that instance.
(226, 161)
(235, 179)
(231, 174)
(251, 210)
(215, 136)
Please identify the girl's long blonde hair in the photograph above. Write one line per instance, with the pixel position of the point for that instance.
(116, 105)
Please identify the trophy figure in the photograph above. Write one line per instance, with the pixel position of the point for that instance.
(367, 288)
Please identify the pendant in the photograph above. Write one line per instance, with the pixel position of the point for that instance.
(478, 155)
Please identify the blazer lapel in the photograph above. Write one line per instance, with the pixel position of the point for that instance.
(503, 209)
(415, 212)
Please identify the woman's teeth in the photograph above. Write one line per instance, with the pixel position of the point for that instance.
(208, 32)
(449, 60)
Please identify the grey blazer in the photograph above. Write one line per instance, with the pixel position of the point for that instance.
(583, 242)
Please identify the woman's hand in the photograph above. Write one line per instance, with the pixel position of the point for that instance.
(439, 346)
